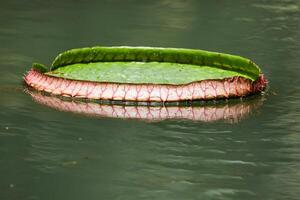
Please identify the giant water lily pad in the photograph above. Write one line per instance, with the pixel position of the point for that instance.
(147, 74)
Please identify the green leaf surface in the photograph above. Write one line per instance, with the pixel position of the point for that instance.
(40, 67)
(142, 72)
(232, 63)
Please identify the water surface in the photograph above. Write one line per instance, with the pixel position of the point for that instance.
(49, 154)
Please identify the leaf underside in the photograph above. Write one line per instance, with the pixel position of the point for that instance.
(142, 72)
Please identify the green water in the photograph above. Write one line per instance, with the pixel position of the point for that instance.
(50, 154)
(142, 72)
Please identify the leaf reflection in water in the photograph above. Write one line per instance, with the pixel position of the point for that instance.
(230, 111)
